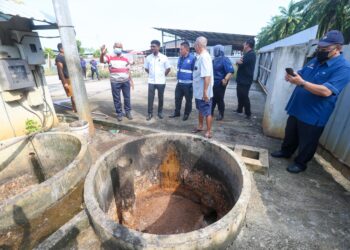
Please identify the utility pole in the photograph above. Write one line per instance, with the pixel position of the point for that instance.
(71, 55)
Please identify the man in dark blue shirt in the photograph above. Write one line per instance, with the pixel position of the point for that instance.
(244, 77)
(223, 71)
(318, 86)
(184, 87)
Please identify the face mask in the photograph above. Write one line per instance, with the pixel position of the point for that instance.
(322, 56)
(117, 51)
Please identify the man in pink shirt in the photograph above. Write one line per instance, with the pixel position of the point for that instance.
(120, 79)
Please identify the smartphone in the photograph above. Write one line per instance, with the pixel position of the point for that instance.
(290, 71)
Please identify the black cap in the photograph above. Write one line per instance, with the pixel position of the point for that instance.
(331, 37)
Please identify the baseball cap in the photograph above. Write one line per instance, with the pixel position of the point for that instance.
(331, 37)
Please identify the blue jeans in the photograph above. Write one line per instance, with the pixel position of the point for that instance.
(125, 88)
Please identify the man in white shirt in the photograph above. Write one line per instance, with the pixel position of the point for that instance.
(203, 80)
(157, 66)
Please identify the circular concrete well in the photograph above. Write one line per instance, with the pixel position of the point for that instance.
(167, 191)
(41, 182)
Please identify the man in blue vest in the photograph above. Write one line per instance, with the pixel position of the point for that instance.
(184, 87)
(318, 86)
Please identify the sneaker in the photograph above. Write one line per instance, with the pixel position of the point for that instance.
(119, 118)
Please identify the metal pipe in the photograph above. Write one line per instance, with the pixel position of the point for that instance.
(67, 34)
(37, 167)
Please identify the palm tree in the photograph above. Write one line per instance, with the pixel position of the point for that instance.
(327, 14)
(290, 17)
(280, 26)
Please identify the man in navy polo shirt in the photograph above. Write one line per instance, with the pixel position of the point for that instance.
(184, 87)
(318, 86)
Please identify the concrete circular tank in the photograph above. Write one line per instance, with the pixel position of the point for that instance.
(167, 191)
(41, 185)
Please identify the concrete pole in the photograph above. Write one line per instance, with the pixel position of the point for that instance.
(69, 44)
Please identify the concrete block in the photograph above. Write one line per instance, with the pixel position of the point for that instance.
(256, 159)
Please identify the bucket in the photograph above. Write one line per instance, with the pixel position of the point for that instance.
(81, 128)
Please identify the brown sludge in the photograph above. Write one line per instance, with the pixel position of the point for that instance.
(184, 200)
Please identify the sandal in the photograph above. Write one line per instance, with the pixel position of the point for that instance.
(197, 130)
(208, 135)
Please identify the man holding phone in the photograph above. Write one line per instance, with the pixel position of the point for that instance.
(318, 86)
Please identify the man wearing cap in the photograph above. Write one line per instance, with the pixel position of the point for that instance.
(318, 86)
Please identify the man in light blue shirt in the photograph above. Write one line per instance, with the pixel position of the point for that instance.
(203, 80)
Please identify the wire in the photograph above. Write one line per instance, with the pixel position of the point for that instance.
(40, 76)
(31, 111)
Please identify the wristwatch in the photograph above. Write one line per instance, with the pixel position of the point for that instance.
(302, 84)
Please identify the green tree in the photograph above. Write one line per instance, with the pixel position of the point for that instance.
(81, 50)
(280, 26)
(289, 19)
(96, 53)
(49, 53)
(328, 14)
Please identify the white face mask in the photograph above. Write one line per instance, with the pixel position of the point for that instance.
(117, 51)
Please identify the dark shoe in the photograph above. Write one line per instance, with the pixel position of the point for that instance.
(160, 115)
(220, 117)
(279, 154)
(119, 118)
(149, 117)
(295, 169)
(174, 115)
(237, 111)
(185, 118)
(129, 116)
(247, 117)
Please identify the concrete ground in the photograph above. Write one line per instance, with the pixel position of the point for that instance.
(310, 210)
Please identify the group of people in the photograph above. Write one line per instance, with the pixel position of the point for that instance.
(93, 68)
(318, 85)
(198, 76)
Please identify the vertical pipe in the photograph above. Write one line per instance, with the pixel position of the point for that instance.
(37, 168)
(67, 34)
(164, 50)
(177, 54)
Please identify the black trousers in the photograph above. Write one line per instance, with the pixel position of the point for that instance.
(243, 98)
(151, 91)
(183, 90)
(218, 98)
(302, 135)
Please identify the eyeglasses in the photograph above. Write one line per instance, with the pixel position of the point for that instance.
(325, 49)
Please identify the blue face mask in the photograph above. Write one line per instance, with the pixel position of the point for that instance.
(117, 51)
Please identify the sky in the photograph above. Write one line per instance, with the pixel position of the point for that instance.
(100, 22)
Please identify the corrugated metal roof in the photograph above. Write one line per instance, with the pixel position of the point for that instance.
(298, 38)
(214, 38)
(9, 9)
